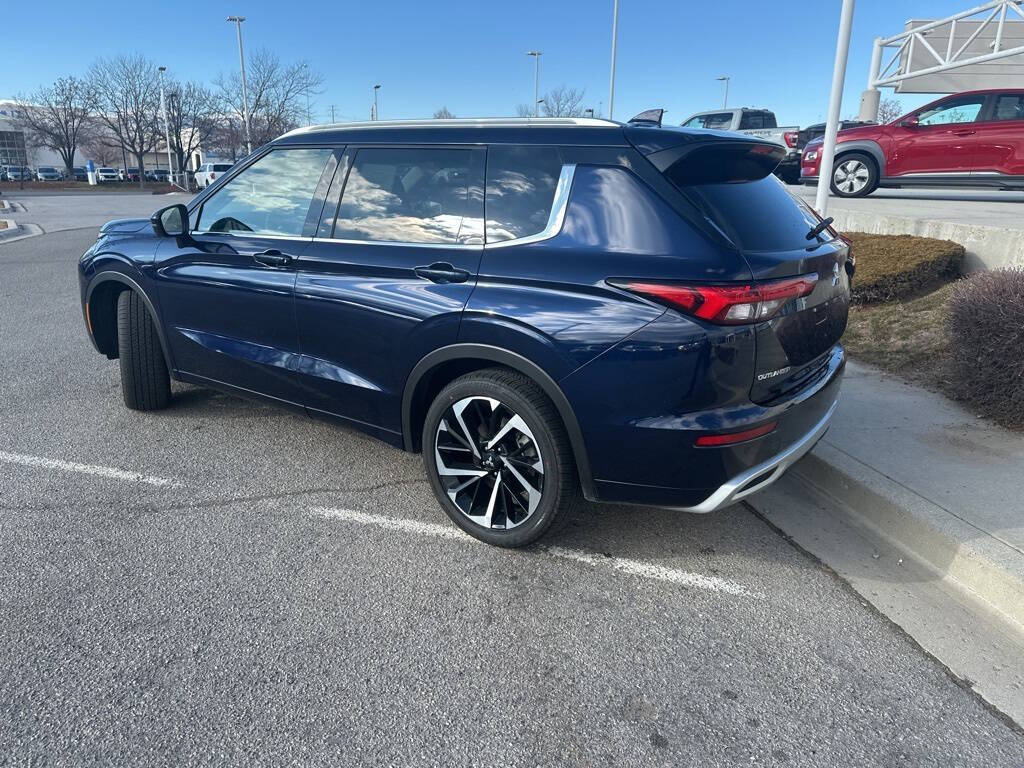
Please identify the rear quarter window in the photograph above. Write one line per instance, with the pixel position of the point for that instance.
(521, 184)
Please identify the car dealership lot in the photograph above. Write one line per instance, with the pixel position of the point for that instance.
(223, 581)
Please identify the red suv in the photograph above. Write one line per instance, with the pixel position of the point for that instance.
(973, 139)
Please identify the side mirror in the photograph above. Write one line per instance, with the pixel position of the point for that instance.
(911, 122)
(171, 221)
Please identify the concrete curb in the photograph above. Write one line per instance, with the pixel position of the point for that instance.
(11, 230)
(990, 570)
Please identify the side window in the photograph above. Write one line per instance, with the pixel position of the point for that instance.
(961, 111)
(521, 185)
(270, 197)
(413, 195)
(1009, 106)
(752, 120)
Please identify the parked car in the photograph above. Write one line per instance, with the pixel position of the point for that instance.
(107, 174)
(129, 174)
(158, 174)
(80, 173)
(208, 173)
(20, 173)
(48, 173)
(643, 313)
(3, 173)
(971, 139)
(755, 122)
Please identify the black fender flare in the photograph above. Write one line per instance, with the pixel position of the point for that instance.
(120, 277)
(516, 362)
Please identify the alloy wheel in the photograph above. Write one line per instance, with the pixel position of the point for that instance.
(851, 176)
(489, 462)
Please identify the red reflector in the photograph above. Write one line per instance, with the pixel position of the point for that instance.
(790, 138)
(730, 438)
(725, 304)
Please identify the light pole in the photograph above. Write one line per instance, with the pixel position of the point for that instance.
(611, 85)
(835, 103)
(167, 125)
(305, 87)
(725, 101)
(376, 107)
(245, 96)
(536, 81)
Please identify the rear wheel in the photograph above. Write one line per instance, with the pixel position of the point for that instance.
(145, 383)
(498, 457)
(854, 175)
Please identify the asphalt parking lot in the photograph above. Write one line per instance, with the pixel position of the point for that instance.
(226, 583)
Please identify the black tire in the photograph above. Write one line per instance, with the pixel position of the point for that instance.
(517, 394)
(145, 383)
(858, 175)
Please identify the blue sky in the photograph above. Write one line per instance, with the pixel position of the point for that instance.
(469, 54)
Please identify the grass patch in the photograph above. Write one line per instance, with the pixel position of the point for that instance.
(893, 267)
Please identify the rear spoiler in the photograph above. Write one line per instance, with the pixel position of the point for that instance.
(648, 117)
(718, 161)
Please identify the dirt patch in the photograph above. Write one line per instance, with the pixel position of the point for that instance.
(3, 224)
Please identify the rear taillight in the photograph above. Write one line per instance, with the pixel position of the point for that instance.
(728, 304)
(791, 138)
(213, 176)
(851, 260)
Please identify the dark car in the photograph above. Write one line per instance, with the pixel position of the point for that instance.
(645, 315)
(158, 174)
(80, 173)
(970, 139)
(816, 131)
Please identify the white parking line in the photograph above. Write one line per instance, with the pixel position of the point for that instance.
(88, 469)
(633, 567)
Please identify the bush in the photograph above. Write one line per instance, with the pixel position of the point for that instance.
(892, 267)
(986, 340)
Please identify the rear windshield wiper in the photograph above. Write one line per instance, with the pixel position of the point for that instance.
(820, 227)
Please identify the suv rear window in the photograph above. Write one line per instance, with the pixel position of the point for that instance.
(757, 120)
(521, 185)
(756, 215)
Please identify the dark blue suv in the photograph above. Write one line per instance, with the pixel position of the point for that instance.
(543, 307)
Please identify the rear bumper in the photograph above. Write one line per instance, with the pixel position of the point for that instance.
(765, 473)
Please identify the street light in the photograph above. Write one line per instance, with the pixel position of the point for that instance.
(167, 125)
(305, 87)
(611, 84)
(725, 101)
(376, 108)
(245, 96)
(536, 81)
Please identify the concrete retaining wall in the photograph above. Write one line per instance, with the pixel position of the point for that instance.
(986, 247)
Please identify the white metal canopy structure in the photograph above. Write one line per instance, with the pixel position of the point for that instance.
(982, 47)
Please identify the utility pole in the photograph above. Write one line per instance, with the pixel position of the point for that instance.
(167, 125)
(725, 101)
(536, 81)
(332, 112)
(245, 96)
(305, 87)
(611, 84)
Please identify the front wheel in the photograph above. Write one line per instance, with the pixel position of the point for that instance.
(854, 175)
(145, 382)
(498, 458)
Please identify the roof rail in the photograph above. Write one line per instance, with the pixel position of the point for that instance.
(458, 122)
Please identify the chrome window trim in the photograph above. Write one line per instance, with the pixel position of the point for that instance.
(242, 234)
(403, 243)
(555, 219)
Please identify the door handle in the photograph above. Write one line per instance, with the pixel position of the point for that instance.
(963, 133)
(273, 258)
(442, 272)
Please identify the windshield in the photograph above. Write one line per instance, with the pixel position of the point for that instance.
(222, 168)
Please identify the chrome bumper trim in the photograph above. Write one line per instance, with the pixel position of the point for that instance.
(735, 489)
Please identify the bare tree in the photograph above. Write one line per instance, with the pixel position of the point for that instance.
(564, 102)
(129, 97)
(102, 148)
(276, 93)
(558, 102)
(59, 117)
(443, 114)
(889, 110)
(227, 139)
(192, 118)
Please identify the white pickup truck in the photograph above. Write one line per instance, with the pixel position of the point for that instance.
(755, 122)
